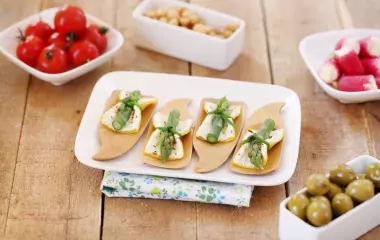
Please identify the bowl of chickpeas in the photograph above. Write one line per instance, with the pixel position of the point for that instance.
(189, 32)
(343, 204)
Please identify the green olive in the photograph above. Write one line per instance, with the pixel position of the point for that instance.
(319, 198)
(361, 176)
(360, 190)
(317, 184)
(342, 175)
(334, 190)
(319, 213)
(341, 204)
(373, 173)
(297, 205)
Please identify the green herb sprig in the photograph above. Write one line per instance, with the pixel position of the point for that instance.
(126, 109)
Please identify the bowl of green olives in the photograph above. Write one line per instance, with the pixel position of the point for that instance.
(343, 204)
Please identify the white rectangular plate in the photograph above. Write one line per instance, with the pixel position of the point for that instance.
(167, 87)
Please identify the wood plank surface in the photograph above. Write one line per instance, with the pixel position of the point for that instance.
(365, 14)
(260, 220)
(126, 218)
(13, 92)
(54, 196)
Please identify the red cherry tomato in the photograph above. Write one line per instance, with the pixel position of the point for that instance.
(63, 41)
(52, 60)
(29, 49)
(70, 18)
(82, 52)
(97, 35)
(39, 29)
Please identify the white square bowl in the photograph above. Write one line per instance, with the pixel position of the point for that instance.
(351, 225)
(185, 44)
(8, 45)
(317, 48)
(169, 86)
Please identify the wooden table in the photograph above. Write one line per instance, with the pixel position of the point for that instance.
(45, 193)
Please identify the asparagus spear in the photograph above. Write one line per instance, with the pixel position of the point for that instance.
(126, 109)
(166, 140)
(219, 121)
(255, 141)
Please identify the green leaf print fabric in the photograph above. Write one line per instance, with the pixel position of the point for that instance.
(142, 186)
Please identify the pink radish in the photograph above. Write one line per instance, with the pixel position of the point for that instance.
(349, 61)
(370, 47)
(330, 71)
(357, 83)
(371, 66)
(348, 42)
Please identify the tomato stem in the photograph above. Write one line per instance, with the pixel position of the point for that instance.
(48, 55)
(103, 30)
(21, 37)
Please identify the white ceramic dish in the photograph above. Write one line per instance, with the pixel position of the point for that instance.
(186, 44)
(351, 225)
(254, 95)
(8, 44)
(316, 49)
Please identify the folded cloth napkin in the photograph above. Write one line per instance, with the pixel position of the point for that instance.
(116, 184)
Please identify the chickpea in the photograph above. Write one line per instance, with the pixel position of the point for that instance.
(172, 13)
(227, 33)
(160, 13)
(194, 19)
(232, 27)
(163, 19)
(151, 14)
(184, 21)
(220, 36)
(185, 13)
(202, 28)
(181, 10)
(173, 21)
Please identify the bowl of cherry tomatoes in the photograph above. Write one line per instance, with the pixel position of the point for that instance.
(60, 44)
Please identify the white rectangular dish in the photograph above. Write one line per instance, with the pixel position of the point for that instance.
(186, 44)
(317, 48)
(8, 44)
(167, 87)
(351, 225)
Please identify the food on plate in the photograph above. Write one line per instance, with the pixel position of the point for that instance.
(370, 46)
(260, 143)
(371, 66)
(97, 35)
(253, 153)
(319, 213)
(218, 130)
(334, 190)
(348, 42)
(341, 203)
(357, 83)
(342, 175)
(124, 120)
(80, 43)
(354, 65)
(185, 18)
(39, 29)
(330, 71)
(373, 173)
(349, 61)
(218, 125)
(82, 52)
(52, 60)
(169, 141)
(317, 184)
(361, 190)
(329, 197)
(70, 19)
(298, 204)
(29, 49)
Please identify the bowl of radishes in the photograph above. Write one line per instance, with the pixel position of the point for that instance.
(345, 63)
(60, 44)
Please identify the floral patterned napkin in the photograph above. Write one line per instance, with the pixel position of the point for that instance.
(142, 186)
